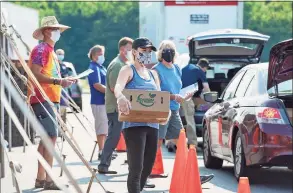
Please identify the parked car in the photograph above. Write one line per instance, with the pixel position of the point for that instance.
(250, 124)
(228, 50)
(75, 90)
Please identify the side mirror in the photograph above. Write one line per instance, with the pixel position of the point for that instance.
(211, 97)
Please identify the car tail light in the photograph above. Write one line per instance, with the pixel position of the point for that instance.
(269, 115)
(273, 139)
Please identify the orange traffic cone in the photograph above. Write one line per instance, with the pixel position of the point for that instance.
(192, 182)
(158, 168)
(243, 186)
(179, 164)
(121, 146)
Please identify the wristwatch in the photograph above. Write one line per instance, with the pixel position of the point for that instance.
(56, 81)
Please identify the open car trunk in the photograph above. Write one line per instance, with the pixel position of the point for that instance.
(225, 48)
(280, 74)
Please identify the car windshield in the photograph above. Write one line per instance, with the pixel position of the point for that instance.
(284, 88)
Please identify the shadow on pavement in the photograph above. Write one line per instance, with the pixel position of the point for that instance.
(94, 163)
(102, 178)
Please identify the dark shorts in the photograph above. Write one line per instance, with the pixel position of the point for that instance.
(50, 126)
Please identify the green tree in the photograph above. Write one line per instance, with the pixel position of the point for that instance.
(91, 23)
(270, 18)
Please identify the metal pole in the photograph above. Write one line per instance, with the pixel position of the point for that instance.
(2, 166)
(25, 128)
(9, 118)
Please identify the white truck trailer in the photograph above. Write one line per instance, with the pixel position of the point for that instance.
(178, 19)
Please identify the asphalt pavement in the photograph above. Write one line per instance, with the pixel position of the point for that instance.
(274, 180)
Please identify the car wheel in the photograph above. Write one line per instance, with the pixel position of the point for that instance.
(240, 169)
(209, 160)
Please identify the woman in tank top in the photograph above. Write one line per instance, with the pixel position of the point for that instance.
(141, 138)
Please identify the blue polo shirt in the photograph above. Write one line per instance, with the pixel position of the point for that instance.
(98, 76)
(192, 74)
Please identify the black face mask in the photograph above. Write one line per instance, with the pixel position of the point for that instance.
(168, 55)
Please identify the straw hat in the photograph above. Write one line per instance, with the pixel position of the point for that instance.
(49, 21)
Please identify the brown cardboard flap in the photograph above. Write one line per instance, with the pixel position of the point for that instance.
(146, 106)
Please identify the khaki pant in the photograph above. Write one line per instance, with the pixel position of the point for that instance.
(188, 108)
(63, 113)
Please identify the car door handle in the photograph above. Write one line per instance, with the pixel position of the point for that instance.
(236, 105)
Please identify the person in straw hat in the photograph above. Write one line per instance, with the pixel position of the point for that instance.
(44, 65)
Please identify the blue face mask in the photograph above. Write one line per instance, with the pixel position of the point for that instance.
(60, 57)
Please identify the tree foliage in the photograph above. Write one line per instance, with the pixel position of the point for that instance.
(270, 18)
(91, 23)
(105, 23)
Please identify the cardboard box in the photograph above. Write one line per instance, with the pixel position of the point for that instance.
(147, 106)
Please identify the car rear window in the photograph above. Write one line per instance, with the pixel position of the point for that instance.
(284, 88)
(230, 46)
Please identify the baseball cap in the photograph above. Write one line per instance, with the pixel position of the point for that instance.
(143, 43)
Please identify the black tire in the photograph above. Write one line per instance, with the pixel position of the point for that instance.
(209, 160)
(240, 168)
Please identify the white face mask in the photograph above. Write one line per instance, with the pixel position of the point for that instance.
(55, 35)
(129, 55)
(101, 59)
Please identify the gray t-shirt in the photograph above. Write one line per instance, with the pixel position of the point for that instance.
(111, 76)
